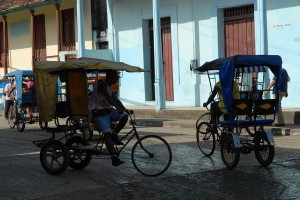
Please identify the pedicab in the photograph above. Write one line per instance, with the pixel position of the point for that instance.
(151, 154)
(252, 110)
(25, 110)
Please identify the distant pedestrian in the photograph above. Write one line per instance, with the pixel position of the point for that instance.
(282, 92)
(9, 96)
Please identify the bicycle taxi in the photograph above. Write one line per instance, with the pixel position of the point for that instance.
(252, 110)
(151, 154)
(25, 110)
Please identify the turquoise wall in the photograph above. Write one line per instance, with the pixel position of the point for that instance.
(197, 33)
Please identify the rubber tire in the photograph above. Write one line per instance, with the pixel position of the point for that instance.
(153, 164)
(11, 120)
(259, 140)
(21, 123)
(203, 118)
(82, 156)
(227, 149)
(61, 150)
(206, 140)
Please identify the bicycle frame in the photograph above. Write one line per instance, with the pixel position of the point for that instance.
(132, 133)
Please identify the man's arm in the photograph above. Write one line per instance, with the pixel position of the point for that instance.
(212, 96)
(6, 90)
(11, 90)
(271, 85)
(118, 104)
(112, 99)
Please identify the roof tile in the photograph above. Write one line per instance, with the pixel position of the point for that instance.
(13, 4)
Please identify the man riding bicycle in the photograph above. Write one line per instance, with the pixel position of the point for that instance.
(217, 108)
(107, 108)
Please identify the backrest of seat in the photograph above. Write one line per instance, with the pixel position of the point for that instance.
(242, 107)
(256, 95)
(265, 106)
(244, 94)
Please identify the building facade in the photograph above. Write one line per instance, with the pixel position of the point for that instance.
(164, 36)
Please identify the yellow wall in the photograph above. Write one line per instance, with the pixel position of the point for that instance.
(20, 51)
(19, 47)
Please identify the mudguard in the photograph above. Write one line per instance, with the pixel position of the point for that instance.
(269, 136)
(236, 140)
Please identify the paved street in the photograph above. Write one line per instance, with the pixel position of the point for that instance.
(190, 176)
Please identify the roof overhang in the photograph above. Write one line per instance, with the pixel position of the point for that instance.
(28, 6)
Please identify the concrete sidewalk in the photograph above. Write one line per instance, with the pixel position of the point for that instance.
(186, 118)
(291, 115)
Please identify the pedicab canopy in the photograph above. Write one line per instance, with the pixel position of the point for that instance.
(241, 63)
(18, 75)
(74, 73)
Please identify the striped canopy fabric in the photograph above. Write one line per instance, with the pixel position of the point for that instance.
(251, 69)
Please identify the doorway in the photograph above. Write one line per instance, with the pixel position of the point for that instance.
(166, 40)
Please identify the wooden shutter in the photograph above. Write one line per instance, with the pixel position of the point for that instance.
(68, 30)
(239, 30)
(40, 38)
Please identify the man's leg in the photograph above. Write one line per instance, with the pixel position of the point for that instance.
(121, 123)
(280, 118)
(214, 110)
(103, 123)
(108, 143)
(122, 119)
(8, 104)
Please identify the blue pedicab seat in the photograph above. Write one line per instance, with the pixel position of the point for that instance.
(252, 109)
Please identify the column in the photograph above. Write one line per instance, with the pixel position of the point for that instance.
(32, 37)
(159, 83)
(263, 38)
(57, 11)
(80, 29)
(5, 43)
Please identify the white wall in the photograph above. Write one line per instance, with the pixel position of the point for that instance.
(283, 30)
(197, 34)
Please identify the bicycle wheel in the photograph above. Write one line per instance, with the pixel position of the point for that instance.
(11, 118)
(151, 155)
(203, 118)
(230, 155)
(206, 140)
(54, 157)
(79, 158)
(264, 151)
(21, 122)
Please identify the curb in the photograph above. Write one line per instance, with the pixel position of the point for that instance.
(179, 123)
(285, 131)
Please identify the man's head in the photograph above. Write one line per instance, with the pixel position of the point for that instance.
(112, 76)
(11, 79)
